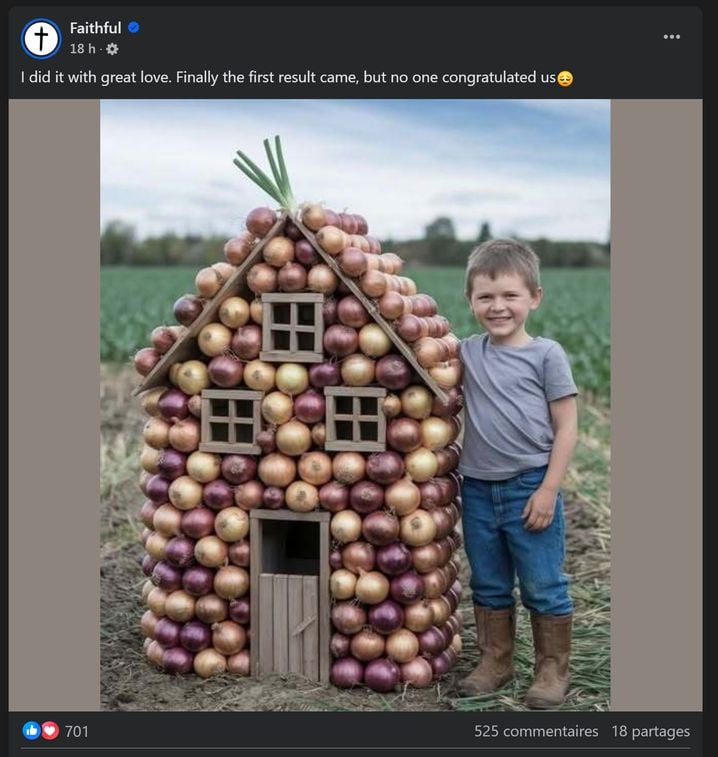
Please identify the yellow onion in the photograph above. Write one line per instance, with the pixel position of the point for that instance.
(301, 497)
(156, 600)
(367, 645)
(421, 464)
(291, 378)
(210, 608)
(276, 469)
(416, 401)
(149, 458)
(210, 551)
(259, 375)
(277, 407)
(315, 467)
(373, 341)
(204, 466)
(167, 521)
(435, 433)
(391, 405)
(185, 493)
(441, 610)
(148, 623)
(403, 496)
(179, 606)
(155, 545)
(150, 399)
(348, 467)
(156, 433)
(332, 240)
(256, 310)
(417, 529)
(322, 279)
(448, 374)
(234, 312)
(418, 617)
(372, 587)
(357, 370)
(402, 646)
(193, 377)
(345, 526)
(208, 282)
(213, 339)
(231, 582)
(342, 583)
(293, 438)
(209, 662)
(231, 524)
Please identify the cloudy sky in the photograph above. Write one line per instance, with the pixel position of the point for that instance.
(529, 167)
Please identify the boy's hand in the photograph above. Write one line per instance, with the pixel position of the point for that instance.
(539, 509)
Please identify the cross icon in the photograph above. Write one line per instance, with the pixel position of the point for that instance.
(42, 33)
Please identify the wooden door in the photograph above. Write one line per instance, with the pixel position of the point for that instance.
(289, 622)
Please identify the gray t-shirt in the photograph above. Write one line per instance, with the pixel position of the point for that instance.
(506, 394)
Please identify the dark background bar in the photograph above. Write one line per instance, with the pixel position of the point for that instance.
(613, 52)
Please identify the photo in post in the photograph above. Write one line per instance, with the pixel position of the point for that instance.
(338, 483)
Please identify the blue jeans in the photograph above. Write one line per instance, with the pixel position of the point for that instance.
(499, 548)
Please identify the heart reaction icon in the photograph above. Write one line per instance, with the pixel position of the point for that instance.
(50, 730)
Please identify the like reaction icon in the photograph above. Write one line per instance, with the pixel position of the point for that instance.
(31, 730)
(50, 730)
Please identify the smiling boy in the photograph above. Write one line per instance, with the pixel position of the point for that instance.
(520, 432)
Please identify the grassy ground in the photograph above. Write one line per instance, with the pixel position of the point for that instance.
(129, 682)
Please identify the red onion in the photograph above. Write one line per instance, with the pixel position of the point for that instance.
(386, 617)
(408, 327)
(166, 576)
(260, 221)
(443, 520)
(346, 673)
(309, 406)
(239, 610)
(162, 338)
(239, 553)
(407, 588)
(218, 494)
(441, 664)
(382, 675)
(393, 372)
(452, 405)
(335, 559)
(172, 404)
(447, 458)
(195, 636)
(448, 634)
(172, 464)
(329, 311)
(448, 488)
(347, 617)
(305, 253)
(330, 218)
(341, 341)
(148, 565)
(225, 371)
(431, 642)
(352, 261)
(292, 277)
(351, 312)
(198, 522)
(325, 374)
(431, 494)
(167, 633)
(380, 528)
(334, 497)
(198, 580)
(417, 672)
(393, 559)
(249, 494)
(403, 434)
(186, 309)
(247, 342)
(147, 512)
(339, 645)
(385, 467)
(348, 223)
(266, 441)
(359, 555)
(362, 225)
(293, 231)
(238, 469)
(180, 551)
(177, 660)
(273, 498)
(157, 488)
(366, 497)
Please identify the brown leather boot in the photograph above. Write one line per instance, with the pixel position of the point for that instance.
(495, 640)
(552, 643)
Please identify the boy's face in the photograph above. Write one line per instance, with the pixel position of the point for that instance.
(502, 305)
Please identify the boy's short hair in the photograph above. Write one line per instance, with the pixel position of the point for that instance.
(497, 256)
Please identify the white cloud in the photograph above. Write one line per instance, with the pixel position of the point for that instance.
(167, 165)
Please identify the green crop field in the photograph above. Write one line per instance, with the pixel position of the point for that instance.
(575, 311)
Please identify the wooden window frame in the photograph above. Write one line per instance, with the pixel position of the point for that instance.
(269, 351)
(355, 444)
(231, 396)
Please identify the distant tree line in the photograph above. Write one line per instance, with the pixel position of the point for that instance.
(119, 245)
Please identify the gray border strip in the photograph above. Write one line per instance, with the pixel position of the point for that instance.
(54, 461)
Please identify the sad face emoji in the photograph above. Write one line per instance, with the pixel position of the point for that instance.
(564, 79)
